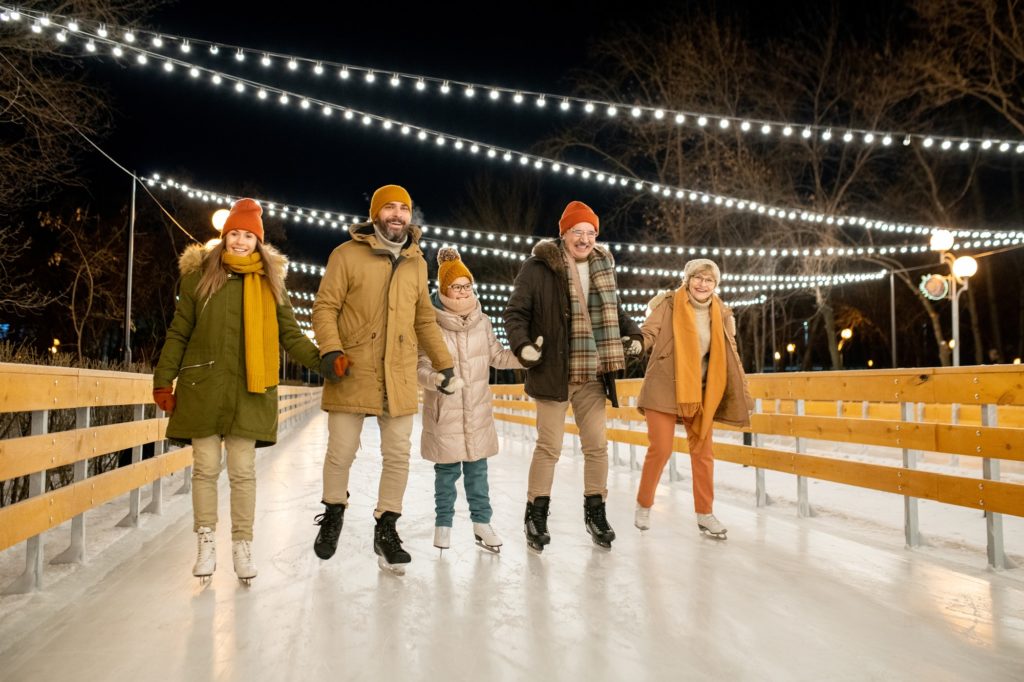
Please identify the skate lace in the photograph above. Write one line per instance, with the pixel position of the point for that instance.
(599, 519)
(389, 537)
(330, 524)
(539, 517)
(243, 550)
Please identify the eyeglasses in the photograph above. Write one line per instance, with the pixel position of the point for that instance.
(458, 288)
(580, 234)
(710, 281)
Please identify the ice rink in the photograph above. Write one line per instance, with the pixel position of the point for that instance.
(783, 598)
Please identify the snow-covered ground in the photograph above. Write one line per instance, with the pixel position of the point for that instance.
(833, 596)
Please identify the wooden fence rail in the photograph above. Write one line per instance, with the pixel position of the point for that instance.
(965, 411)
(39, 390)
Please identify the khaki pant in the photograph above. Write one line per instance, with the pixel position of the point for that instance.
(343, 430)
(206, 467)
(588, 402)
(661, 428)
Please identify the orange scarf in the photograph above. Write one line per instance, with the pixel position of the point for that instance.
(259, 321)
(692, 402)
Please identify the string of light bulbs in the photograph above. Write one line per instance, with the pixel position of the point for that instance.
(518, 97)
(335, 220)
(441, 140)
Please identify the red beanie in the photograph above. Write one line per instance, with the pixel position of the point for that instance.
(245, 215)
(577, 212)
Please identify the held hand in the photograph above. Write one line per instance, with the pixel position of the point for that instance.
(164, 399)
(447, 382)
(531, 352)
(333, 366)
(632, 346)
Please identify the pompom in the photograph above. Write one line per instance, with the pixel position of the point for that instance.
(447, 253)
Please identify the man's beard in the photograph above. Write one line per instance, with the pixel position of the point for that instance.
(390, 234)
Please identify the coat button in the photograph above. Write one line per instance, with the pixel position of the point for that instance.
(401, 337)
(373, 335)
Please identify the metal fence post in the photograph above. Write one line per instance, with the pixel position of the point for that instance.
(954, 418)
(803, 504)
(993, 521)
(131, 520)
(911, 530)
(760, 492)
(75, 553)
(32, 579)
(156, 505)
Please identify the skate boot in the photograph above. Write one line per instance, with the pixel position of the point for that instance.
(245, 565)
(596, 521)
(642, 517)
(486, 538)
(442, 537)
(206, 558)
(330, 528)
(710, 526)
(535, 523)
(388, 546)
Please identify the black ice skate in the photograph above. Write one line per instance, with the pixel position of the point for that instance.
(535, 523)
(388, 546)
(596, 521)
(330, 522)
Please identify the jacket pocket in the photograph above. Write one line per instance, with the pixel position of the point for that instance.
(196, 373)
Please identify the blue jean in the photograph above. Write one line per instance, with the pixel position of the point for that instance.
(445, 476)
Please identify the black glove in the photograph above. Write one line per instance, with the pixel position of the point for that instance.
(329, 366)
(450, 383)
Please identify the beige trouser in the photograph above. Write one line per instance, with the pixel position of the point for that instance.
(588, 411)
(343, 431)
(206, 467)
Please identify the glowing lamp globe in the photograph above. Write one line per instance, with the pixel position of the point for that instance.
(942, 240)
(964, 267)
(220, 216)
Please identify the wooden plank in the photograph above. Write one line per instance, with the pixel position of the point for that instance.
(35, 515)
(29, 454)
(520, 405)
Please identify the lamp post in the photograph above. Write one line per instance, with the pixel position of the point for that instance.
(790, 348)
(844, 336)
(960, 272)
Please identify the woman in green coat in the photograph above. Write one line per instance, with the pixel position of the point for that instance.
(224, 348)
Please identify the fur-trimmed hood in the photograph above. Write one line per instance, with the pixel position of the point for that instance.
(549, 252)
(193, 257)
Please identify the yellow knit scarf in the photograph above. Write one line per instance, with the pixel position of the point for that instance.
(687, 358)
(259, 320)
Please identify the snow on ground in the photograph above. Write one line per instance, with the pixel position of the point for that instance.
(834, 596)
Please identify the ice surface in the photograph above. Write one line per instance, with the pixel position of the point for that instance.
(830, 597)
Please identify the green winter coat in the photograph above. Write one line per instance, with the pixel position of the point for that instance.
(205, 351)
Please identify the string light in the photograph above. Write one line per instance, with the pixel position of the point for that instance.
(704, 120)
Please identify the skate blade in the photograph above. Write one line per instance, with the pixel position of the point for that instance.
(394, 569)
(205, 580)
(246, 581)
(714, 536)
(535, 547)
(493, 549)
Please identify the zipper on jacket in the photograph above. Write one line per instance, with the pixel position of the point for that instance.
(201, 364)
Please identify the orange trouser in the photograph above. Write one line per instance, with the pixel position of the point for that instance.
(661, 428)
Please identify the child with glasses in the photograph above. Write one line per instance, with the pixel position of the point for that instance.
(458, 428)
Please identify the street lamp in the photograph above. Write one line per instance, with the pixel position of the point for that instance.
(936, 287)
(220, 216)
(845, 335)
(791, 348)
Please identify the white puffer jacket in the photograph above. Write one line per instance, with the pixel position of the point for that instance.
(460, 427)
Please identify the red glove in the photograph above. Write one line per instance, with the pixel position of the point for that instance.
(164, 399)
(341, 365)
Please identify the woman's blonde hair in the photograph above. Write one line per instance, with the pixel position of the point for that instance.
(215, 274)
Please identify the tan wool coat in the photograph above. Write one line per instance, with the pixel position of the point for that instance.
(376, 309)
(658, 390)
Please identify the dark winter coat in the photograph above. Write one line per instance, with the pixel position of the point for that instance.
(205, 351)
(540, 306)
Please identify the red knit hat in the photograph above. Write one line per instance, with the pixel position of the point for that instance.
(575, 213)
(245, 215)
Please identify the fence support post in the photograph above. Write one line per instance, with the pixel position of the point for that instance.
(993, 521)
(156, 505)
(75, 553)
(131, 520)
(760, 492)
(32, 579)
(803, 504)
(911, 530)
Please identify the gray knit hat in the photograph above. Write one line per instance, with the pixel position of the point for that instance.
(699, 265)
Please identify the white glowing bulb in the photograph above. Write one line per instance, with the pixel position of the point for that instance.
(157, 40)
(406, 130)
(61, 36)
(827, 135)
(612, 110)
(216, 80)
(965, 145)
(72, 25)
(787, 131)
(702, 121)
(965, 266)
(141, 59)
(766, 129)
(318, 69)
(445, 88)
(185, 47)
(946, 144)
(129, 37)
(422, 135)
(523, 161)
(806, 133)
(262, 94)
(680, 119)
(326, 110)
(538, 164)
(494, 94)
(370, 77)
(1004, 146)
(541, 102)
(745, 126)
(344, 73)
(847, 136)
(723, 124)
(349, 115)
(474, 148)
(636, 112)
(304, 103)
(1019, 149)
(470, 92)
(459, 144)
(517, 98)
(941, 240)
(387, 125)
(987, 144)
(292, 65)
(168, 66)
(117, 51)
(869, 138)
(283, 99)
(90, 46)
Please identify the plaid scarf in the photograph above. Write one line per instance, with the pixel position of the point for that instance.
(595, 345)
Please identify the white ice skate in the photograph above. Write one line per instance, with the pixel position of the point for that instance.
(442, 537)
(486, 538)
(245, 565)
(206, 556)
(710, 526)
(642, 517)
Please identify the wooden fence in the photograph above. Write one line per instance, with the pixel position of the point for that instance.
(966, 411)
(39, 390)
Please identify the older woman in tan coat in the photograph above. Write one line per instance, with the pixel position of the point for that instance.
(458, 429)
(694, 377)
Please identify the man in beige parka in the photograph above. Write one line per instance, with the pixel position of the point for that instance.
(371, 315)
